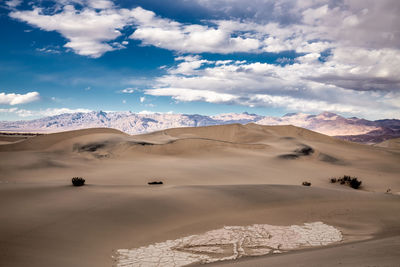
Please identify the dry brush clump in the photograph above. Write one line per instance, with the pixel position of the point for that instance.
(155, 182)
(353, 182)
(78, 181)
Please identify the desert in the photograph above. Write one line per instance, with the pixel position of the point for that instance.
(215, 177)
(153, 133)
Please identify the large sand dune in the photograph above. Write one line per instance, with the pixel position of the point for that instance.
(213, 176)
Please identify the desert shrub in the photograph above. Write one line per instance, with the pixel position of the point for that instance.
(155, 182)
(354, 183)
(305, 183)
(346, 178)
(78, 181)
(305, 150)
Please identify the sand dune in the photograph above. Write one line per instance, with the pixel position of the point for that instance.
(43, 142)
(213, 176)
(391, 144)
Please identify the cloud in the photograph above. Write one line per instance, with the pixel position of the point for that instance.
(88, 30)
(253, 27)
(361, 69)
(316, 28)
(100, 4)
(184, 94)
(304, 105)
(365, 23)
(301, 86)
(191, 38)
(16, 99)
(188, 63)
(128, 90)
(13, 3)
(42, 113)
(146, 112)
(49, 50)
(91, 31)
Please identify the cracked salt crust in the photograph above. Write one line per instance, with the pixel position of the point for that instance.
(229, 243)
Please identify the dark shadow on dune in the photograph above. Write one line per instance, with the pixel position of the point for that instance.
(289, 156)
(304, 150)
(89, 147)
(330, 159)
(93, 148)
(47, 163)
(287, 138)
(142, 143)
(102, 156)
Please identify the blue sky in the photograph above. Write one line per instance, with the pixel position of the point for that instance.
(201, 56)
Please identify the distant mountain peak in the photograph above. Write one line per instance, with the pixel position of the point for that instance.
(328, 114)
(101, 113)
(290, 114)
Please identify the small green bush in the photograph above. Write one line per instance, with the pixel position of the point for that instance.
(78, 181)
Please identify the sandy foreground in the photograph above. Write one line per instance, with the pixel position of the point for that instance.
(231, 175)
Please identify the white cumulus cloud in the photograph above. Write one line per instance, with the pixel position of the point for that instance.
(184, 94)
(88, 30)
(16, 99)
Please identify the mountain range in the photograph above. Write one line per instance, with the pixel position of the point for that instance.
(351, 129)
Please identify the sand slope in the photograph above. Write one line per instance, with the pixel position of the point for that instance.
(391, 144)
(213, 176)
(43, 142)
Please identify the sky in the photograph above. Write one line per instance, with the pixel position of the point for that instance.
(268, 57)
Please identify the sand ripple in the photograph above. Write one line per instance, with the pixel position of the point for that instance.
(229, 243)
